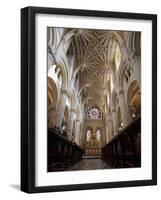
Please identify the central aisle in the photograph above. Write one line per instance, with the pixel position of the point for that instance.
(89, 164)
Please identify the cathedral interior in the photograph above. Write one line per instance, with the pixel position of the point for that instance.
(94, 99)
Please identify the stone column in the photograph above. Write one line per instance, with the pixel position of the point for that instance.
(60, 109)
(125, 115)
(106, 130)
(70, 122)
(109, 129)
(77, 132)
(80, 134)
(114, 121)
(107, 135)
(51, 115)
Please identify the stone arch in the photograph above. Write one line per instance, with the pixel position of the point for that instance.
(136, 74)
(136, 64)
(134, 99)
(136, 43)
(52, 93)
(121, 43)
(133, 59)
(121, 74)
(100, 132)
(113, 100)
(62, 65)
(88, 136)
(67, 39)
(55, 39)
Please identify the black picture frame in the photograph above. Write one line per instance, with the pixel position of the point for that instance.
(28, 98)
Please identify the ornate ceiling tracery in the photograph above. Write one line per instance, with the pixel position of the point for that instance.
(94, 52)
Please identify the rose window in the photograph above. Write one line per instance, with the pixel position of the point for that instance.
(94, 113)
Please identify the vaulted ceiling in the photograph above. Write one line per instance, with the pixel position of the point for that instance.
(95, 52)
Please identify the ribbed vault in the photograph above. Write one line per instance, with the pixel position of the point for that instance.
(94, 52)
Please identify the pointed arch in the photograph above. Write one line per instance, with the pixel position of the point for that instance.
(63, 67)
(134, 99)
(52, 93)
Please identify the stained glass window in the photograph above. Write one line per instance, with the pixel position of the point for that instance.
(98, 135)
(94, 113)
(88, 135)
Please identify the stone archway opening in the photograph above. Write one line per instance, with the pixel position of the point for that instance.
(134, 99)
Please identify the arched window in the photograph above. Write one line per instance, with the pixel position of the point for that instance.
(88, 136)
(94, 113)
(134, 99)
(98, 135)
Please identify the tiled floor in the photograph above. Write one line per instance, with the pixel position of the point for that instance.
(89, 164)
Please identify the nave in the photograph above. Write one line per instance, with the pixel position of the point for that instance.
(124, 151)
(94, 99)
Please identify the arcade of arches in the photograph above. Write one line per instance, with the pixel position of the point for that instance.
(94, 99)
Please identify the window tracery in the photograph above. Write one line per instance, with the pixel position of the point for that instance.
(94, 113)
